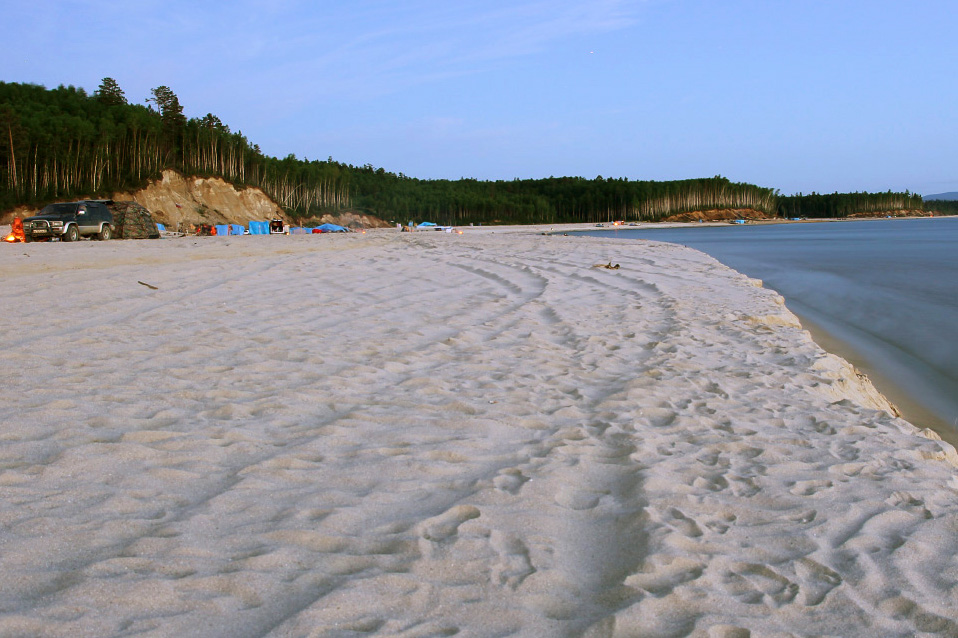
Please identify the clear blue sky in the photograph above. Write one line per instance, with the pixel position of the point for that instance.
(800, 95)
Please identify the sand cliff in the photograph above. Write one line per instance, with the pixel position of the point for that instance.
(180, 201)
(175, 199)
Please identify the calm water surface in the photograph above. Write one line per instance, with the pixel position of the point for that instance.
(881, 293)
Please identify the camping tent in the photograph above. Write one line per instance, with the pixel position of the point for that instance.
(331, 228)
(222, 230)
(132, 221)
(426, 225)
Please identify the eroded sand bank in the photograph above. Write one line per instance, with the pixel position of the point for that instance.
(422, 434)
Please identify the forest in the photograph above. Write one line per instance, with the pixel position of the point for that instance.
(64, 143)
(942, 206)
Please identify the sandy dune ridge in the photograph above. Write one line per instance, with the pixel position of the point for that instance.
(428, 434)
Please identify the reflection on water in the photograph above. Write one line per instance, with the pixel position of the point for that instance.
(885, 290)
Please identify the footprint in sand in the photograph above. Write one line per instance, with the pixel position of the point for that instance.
(666, 577)
(440, 528)
(513, 565)
(510, 480)
(678, 521)
(711, 458)
(710, 483)
(803, 517)
(815, 581)
(823, 428)
(752, 584)
(575, 498)
(658, 417)
(720, 524)
(909, 503)
(899, 607)
(744, 486)
(810, 488)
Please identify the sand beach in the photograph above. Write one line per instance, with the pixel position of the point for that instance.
(431, 434)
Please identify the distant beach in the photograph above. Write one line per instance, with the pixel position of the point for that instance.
(422, 434)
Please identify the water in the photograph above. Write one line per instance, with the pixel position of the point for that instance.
(881, 293)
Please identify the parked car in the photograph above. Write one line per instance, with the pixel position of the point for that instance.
(70, 220)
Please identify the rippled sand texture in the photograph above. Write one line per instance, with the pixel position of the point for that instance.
(423, 434)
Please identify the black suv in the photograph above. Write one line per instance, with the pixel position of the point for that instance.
(70, 220)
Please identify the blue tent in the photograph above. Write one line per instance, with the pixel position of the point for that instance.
(331, 228)
(259, 228)
(426, 224)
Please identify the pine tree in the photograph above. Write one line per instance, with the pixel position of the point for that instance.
(168, 105)
(110, 93)
(174, 122)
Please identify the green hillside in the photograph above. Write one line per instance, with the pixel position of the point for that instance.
(64, 143)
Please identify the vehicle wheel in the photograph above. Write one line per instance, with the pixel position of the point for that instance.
(72, 234)
(105, 233)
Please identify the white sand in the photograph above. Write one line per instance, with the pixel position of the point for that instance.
(421, 434)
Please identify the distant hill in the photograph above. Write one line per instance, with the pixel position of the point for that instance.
(945, 196)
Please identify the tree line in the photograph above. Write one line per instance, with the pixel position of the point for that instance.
(846, 204)
(548, 200)
(942, 206)
(64, 143)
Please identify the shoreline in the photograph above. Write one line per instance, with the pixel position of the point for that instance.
(910, 408)
(901, 393)
(484, 433)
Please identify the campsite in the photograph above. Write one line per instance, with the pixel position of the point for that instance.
(133, 221)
